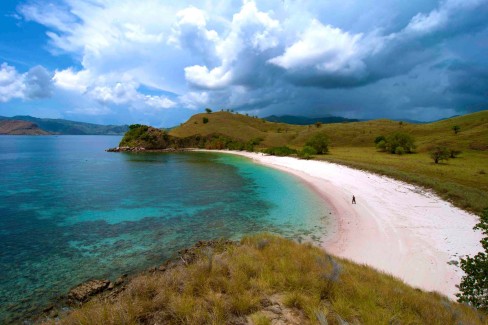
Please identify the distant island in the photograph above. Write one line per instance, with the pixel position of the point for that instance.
(45, 126)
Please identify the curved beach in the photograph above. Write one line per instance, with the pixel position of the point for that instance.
(395, 227)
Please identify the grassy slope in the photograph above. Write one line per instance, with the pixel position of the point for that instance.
(463, 181)
(241, 282)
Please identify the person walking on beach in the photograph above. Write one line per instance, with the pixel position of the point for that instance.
(353, 199)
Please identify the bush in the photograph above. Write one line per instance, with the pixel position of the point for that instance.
(439, 153)
(474, 285)
(379, 139)
(381, 145)
(399, 151)
(399, 139)
(456, 129)
(280, 151)
(205, 120)
(320, 142)
(453, 153)
(307, 152)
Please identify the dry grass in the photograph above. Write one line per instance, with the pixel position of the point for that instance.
(264, 265)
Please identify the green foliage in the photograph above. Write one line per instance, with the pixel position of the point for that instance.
(280, 151)
(456, 129)
(399, 139)
(307, 152)
(381, 146)
(399, 151)
(474, 285)
(439, 153)
(379, 138)
(320, 142)
(205, 120)
(208, 110)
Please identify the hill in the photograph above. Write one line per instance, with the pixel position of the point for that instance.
(302, 120)
(60, 126)
(260, 280)
(14, 127)
(463, 180)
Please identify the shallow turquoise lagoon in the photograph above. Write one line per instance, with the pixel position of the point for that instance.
(69, 211)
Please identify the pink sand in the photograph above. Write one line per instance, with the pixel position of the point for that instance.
(395, 227)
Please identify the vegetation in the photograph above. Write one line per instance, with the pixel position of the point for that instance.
(456, 129)
(474, 285)
(205, 120)
(280, 151)
(319, 142)
(353, 144)
(439, 153)
(307, 152)
(397, 143)
(265, 275)
(208, 110)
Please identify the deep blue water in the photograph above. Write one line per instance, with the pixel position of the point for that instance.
(69, 211)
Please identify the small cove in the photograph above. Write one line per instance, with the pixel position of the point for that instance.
(69, 211)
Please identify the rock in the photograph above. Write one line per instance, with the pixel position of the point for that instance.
(121, 279)
(82, 292)
(111, 286)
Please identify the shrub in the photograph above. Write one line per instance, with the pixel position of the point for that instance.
(456, 129)
(320, 142)
(381, 145)
(280, 151)
(379, 139)
(439, 153)
(474, 285)
(307, 152)
(318, 124)
(205, 120)
(208, 110)
(399, 139)
(399, 151)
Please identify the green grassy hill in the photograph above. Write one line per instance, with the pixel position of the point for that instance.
(269, 280)
(463, 180)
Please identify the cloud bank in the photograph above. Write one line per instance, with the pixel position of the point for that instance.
(417, 60)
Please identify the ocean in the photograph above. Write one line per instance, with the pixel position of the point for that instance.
(70, 212)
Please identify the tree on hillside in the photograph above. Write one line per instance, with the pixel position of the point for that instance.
(399, 139)
(456, 129)
(208, 110)
(474, 285)
(320, 142)
(205, 120)
(439, 153)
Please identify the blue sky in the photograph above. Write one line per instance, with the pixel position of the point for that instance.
(158, 62)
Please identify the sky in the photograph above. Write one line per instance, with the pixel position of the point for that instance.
(158, 62)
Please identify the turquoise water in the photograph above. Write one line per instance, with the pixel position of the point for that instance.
(69, 211)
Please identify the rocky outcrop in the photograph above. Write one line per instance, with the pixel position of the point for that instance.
(14, 127)
(84, 291)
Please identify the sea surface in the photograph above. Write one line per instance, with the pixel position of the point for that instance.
(69, 211)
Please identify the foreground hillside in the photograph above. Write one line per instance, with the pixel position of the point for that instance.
(268, 280)
(463, 180)
(14, 127)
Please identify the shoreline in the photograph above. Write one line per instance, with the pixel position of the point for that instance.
(395, 227)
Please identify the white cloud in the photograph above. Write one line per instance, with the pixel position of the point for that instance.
(326, 48)
(34, 84)
(11, 83)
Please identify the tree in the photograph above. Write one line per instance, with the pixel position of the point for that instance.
(208, 110)
(379, 138)
(205, 120)
(307, 152)
(439, 153)
(474, 285)
(456, 129)
(399, 139)
(320, 142)
(318, 124)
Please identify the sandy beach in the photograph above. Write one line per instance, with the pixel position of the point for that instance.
(395, 227)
